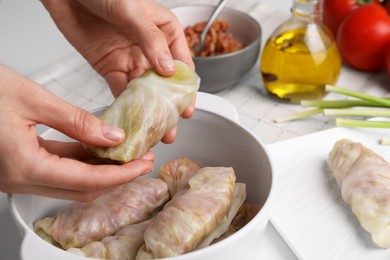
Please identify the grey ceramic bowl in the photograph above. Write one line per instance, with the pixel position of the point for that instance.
(224, 71)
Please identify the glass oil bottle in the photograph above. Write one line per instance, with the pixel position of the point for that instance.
(300, 57)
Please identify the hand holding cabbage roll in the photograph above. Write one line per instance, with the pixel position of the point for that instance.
(149, 107)
(364, 180)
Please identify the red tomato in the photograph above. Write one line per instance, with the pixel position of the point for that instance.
(334, 11)
(388, 61)
(363, 37)
(386, 4)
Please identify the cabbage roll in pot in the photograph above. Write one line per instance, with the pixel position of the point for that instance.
(123, 245)
(150, 106)
(190, 217)
(177, 173)
(364, 179)
(239, 196)
(84, 222)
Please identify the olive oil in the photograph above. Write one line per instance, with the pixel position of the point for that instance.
(300, 58)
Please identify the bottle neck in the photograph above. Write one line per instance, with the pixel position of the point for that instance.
(307, 9)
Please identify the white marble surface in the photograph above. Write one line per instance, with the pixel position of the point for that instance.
(30, 41)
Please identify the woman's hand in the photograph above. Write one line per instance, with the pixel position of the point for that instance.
(29, 164)
(123, 39)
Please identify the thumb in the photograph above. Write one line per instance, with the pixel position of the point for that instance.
(152, 40)
(35, 104)
(85, 127)
(79, 124)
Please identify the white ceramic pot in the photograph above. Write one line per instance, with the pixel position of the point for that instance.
(213, 137)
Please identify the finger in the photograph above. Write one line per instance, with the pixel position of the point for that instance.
(190, 109)
(178, 46)
(156, 50)
(64, 149)
(72, 150)
(136, 65)
(170, 136)
(152, 41)
(59, 193)
(65, 173)
(117, 81)
(73, 195)
(149, 155)
(76, 122)
(41, 106)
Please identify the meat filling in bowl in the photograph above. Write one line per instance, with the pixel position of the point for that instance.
(218, 40)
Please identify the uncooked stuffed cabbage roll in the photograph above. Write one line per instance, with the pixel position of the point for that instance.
(364, 179)
(84, 222)
(245, 213)
(239, 195)
(190, 217)
(149, 107)
(127, 241)
(123, 245)
(177, 173)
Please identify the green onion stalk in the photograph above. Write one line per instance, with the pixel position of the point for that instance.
(362, 106)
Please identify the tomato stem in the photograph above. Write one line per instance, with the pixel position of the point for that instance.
(363, 2)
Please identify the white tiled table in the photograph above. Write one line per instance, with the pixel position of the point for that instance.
(31, 44)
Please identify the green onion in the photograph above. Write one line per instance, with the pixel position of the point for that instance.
(299, 115)
(338, 103)
(385, 140)
(356, 94)
(362, 123)
(361, 105)
(356, 112)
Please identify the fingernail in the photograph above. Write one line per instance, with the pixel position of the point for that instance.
(113, 133)
(166, 62)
